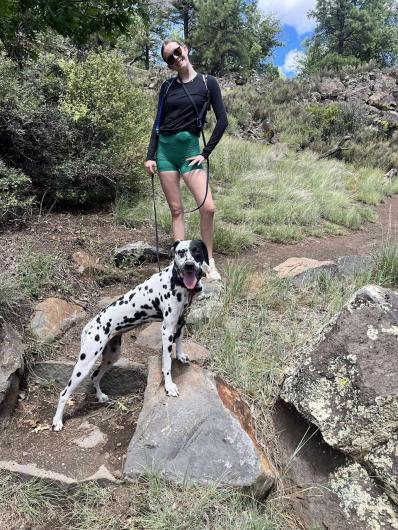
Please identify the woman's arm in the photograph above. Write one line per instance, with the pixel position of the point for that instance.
(153, 141)
(221, 115)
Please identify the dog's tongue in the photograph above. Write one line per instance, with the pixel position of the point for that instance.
(189, 280)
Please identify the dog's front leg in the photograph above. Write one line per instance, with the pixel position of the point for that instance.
(167, 343)
(181, 356)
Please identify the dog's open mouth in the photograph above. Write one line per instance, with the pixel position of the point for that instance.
(190, 279)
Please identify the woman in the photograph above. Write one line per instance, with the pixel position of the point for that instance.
(174, 144)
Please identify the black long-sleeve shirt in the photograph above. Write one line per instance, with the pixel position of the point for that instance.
(178, 113)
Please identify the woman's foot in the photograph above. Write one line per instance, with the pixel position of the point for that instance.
(212, 272)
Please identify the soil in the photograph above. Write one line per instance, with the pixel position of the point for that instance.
(28, 438)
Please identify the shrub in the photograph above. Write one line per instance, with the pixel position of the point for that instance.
(14, 193)
(77, 128)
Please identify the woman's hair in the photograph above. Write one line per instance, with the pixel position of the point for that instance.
(166, 42)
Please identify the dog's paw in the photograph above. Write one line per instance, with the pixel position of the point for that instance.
(102, 398)
(183, 358)
(57, 425)
(172, 390)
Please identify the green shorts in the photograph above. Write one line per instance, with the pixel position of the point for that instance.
(174, 149)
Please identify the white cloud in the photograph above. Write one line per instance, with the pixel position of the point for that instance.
(292, 62)
(291, 12)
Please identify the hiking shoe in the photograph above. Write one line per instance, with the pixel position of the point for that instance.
(212, 272)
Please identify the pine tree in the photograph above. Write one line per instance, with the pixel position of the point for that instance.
(353, 31)
(231, 36)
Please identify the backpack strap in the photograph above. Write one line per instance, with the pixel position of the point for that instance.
(169, 82)
(204, 77)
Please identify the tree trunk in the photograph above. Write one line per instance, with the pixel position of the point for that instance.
(146, 57)
(185, 16)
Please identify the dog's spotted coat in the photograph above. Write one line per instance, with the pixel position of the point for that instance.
(165, 296)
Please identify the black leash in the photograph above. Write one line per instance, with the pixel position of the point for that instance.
(156, 220)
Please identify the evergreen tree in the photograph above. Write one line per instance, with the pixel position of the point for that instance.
(231, 36)
(353, 31)
(185, 10)
(22, 20)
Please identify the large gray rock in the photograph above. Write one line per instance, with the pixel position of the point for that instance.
(124, 377)
(346, 380)
(151, 337)
(11, 368)
(207, 303)
(137, 253)
(205, 436)
(323, 486)
(302, 271)
(361, 500)
(346, 383)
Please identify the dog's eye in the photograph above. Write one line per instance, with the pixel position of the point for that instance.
(181, 253)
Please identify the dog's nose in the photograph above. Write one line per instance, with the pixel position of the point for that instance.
(189, 266)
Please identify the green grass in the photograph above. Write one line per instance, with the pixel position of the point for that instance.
(386, 265)
(274, 192)
(37, 272)
(12, 297)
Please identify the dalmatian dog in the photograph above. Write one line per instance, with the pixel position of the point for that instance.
(164, 297)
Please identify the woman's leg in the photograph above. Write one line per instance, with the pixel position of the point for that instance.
(170, 182)
(196, 182)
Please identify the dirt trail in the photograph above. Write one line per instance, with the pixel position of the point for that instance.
(362, 242)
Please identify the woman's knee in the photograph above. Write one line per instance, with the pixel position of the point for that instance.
(208, 209)
(176, 211)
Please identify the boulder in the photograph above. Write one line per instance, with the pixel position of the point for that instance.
(123, 378)
(204, 436)
(323, 487)
(11, 368)
(330, 88)
(382, 101)
(151, 337)
(137, 253)
(206, 304)
(382, 462)
(303, 270)
(53, 317)
(346, 380)
(351, 265)
(87, 264)
(361, 500)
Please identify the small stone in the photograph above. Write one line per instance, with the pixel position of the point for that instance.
(53, 317)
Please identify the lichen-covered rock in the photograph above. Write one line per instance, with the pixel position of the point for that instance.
(11, 368)
(361, 499)
(382, 462)
(205, 436)
(324, 487)
(346, 382)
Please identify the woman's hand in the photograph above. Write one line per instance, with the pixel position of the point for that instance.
(198, 159)
(150, 167)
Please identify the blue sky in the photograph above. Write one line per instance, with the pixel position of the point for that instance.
(296, 26)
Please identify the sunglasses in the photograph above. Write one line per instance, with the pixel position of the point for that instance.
(171, 59)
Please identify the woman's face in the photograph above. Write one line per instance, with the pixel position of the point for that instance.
(179, 53)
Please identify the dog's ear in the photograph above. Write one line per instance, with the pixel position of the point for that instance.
(205, 253)
(173, 249)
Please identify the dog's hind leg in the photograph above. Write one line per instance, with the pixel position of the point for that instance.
(110, 355)
(87, 357)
